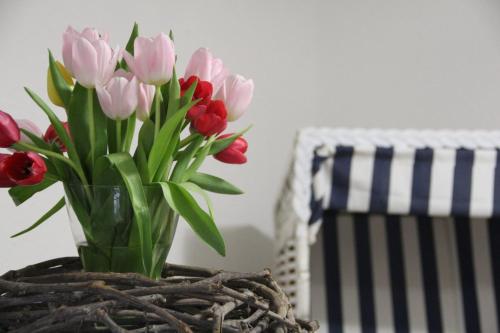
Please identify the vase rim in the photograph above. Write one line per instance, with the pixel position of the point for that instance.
(92, 186)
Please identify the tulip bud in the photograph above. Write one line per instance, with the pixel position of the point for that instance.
(235, 153)
(146, 94)
(29, 126)
(9, 130)
(207, 67)
(51, 88)
(118, 98)
(88, 57)
(145, 100)
(51, 136)
(208, 119)
(237, 93)
(23, 168)
(202, 91)
(153, 60)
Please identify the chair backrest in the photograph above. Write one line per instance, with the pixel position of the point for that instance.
(409, 231)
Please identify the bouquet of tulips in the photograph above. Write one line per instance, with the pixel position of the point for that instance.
(124, 199)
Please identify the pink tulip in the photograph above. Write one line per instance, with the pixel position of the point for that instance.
(146, 94)
(29, 126)
(88, 57)
(153, 60)
(237, 93)
(207, 68)
(118, 98)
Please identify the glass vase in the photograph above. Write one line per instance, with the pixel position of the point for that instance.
(105, 231)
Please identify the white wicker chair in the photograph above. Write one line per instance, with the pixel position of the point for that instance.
(307, 195)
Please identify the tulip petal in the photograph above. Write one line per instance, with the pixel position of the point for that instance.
(85, 64)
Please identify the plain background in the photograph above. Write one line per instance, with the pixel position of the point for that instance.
(338, 63)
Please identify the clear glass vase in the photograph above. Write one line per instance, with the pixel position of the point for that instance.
(106, 234)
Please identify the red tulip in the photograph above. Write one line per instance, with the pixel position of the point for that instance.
(23, 168)
(203, 89)
(5, 181)
(9, 130)
(208, 119)
(235, 153)
(51, 136)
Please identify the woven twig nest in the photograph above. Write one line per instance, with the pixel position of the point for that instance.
(56, 296)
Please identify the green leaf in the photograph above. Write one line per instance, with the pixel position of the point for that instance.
(193, 188)
(106, 169)
(199, 159)
(163, 144)
(130, 44)
(146, 136)
(62, 87)
(88, 125)
(60, 204)
(214, 184)
(174, 95)
(141, 161)
(222, 144)
(185, 157)
(201, 223)
(20, 194)
(58, 126)
(111, 124)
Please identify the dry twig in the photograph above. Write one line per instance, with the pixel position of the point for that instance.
(56, 296)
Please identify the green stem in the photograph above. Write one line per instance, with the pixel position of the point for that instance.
(118, 135)
(157, 110)
(129, 136)
(91, 122)
(187, 140)
(22, 146)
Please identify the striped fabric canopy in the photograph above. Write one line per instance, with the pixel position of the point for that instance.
(410, 237)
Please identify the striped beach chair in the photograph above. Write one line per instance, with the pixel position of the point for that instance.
(392, 231)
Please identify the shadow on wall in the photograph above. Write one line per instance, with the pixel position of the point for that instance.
(247, 249)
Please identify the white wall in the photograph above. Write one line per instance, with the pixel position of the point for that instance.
(428, 63)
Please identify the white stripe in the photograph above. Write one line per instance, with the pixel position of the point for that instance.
(441, 192)
(483, 176)
(413, 271)
(457, 286)
(381, 284)
(451, 304)
(348, 275)
(360, 183)
(322, 182)
(401, 180)
(483, 273)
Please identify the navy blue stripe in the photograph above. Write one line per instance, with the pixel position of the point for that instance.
(380, 181)
(332, 272)
(496, 189)
(467, 277)
(460, 208)
(462, 182)
(365, 272)
(340, 177)
(316, 205)
(421, 182)
(429, 274)
(397, 273)
(494, 233)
